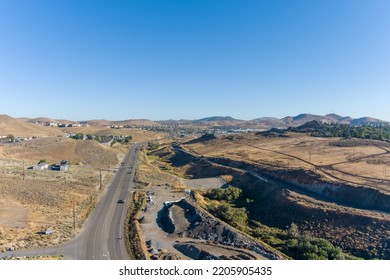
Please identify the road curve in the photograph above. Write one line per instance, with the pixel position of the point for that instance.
(102, 235)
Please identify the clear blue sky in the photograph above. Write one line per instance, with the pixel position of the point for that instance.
(191, 59)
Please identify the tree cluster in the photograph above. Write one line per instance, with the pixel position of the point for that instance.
(303, 247)
(229, 194)
(234, 216)
(311, 248)
(316, 129)
(153, 145)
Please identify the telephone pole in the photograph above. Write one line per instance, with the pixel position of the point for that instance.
(100, 179)
(24, 172)
(74, 217)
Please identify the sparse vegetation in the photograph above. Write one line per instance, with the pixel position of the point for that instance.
(291, 241)
(153, 146)
(133, 237)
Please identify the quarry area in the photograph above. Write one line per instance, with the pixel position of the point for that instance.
(176, 229)
(299, 194)
(173, 226)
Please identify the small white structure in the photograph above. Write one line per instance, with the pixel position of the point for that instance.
(64, 167)
(169, 203)
(49, 231)
(40, 166)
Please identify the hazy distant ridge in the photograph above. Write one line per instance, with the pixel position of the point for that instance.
(12, 125)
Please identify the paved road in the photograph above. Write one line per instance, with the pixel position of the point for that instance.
(102, 235)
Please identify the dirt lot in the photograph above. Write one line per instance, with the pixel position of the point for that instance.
(174, 229)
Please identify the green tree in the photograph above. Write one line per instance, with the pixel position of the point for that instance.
(234, 216)
(153, 145)
(128, 138)
(78, 136)
(229, 194)
(239, 216)
(293, 231)
(232, 193)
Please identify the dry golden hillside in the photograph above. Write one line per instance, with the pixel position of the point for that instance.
(337, 160)
(34, 200)
(55, 149)
(20, 128)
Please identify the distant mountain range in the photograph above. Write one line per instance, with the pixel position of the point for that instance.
(9, 125)
(269, 122)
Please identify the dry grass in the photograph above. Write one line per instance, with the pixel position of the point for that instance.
(55, 149)
(148, 173)
(34, 200)
(367, 165)
(20, 128)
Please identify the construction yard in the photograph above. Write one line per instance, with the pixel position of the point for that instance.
(173, 227)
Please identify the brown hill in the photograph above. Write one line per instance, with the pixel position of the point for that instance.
(20, 128)
(55, 149)
(135, 122)
(98, 123)
(42, 120)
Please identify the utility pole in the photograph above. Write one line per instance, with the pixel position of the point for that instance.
(74, 217)
(24, 172)
(100, 179)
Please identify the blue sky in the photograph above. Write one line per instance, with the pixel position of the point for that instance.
(191, 59)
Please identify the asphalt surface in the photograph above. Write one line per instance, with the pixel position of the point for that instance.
(102, 235)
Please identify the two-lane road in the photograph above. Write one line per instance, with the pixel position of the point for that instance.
(102, 235)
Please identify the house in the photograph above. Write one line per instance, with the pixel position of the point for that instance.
(55, 167)
(64, 167)
(40, 166)
(49, 231)
(51, 124)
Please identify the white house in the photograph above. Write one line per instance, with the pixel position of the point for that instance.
(40, 166)
(64, 167)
